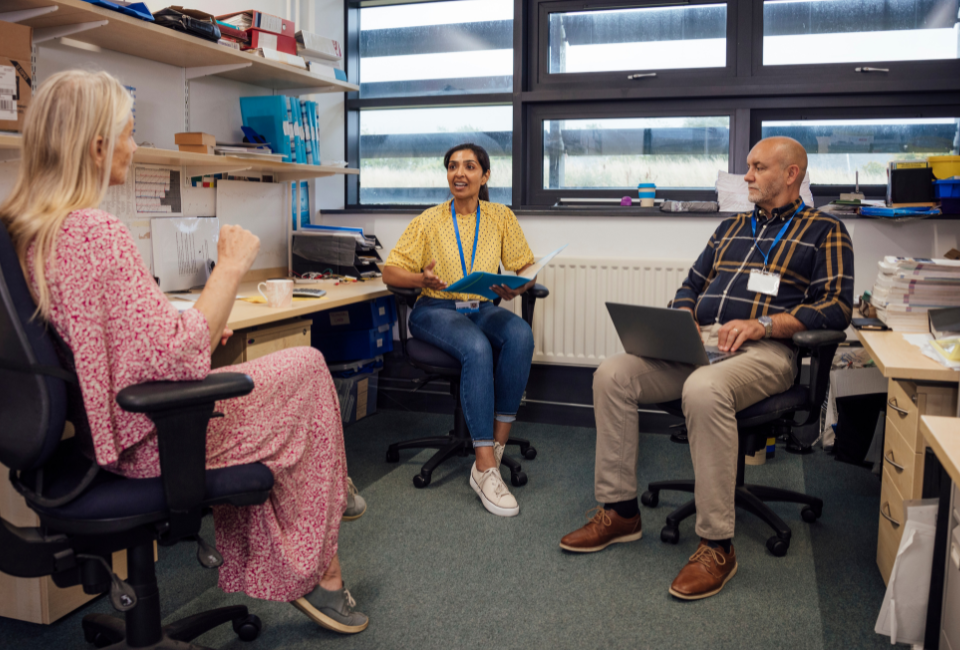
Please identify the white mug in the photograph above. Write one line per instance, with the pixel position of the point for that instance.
(277, 293)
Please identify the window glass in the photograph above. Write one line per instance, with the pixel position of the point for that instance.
(653, 38)
(436, 48)
(606, 153)
(838, 149)
(401, 151)
(859, 31)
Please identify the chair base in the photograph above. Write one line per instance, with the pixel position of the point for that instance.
(140, 628)
(455, 445)
(748, 497)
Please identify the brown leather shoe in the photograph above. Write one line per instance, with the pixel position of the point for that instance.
(708, 570)
(605, 527)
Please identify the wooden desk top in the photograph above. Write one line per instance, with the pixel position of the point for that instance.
(247, 314)
(898, 359)
(943, 436)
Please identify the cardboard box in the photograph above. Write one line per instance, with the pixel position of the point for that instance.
(16, 85)
(195, 138)
(197, 148)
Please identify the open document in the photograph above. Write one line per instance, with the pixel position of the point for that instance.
(479, 282)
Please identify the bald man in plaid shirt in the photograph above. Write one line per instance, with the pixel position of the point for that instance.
(732, 295)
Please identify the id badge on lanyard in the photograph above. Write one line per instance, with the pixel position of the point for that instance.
(467, 306)
(765, 282)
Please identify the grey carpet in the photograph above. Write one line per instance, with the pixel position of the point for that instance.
(435, 570)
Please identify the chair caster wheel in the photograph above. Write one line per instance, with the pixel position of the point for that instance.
(669, 535)
(778, 546)
(248, 628)
(810, 515)
(519, 479)
(393, 456)
(421, 481)
(101, 640)
(530, 453)
(650, 499)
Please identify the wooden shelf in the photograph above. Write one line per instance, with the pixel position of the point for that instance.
(146, 40)
(199, 164)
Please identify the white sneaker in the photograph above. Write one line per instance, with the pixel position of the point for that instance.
(498, 450)
(356, 504)
(493, 492)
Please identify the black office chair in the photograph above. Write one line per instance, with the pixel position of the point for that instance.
(437, 363)
(86, 514)
(774, 415)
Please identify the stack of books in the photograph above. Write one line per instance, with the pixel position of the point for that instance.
(322, 54)
(195, 142)
(291, 125)
(907, 288)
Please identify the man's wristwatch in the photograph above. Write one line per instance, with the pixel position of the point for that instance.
(767, 323)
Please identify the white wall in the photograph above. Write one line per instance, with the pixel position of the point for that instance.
(684, 237)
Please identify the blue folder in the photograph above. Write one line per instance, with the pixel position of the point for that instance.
(135, 9)
(266, 115)
(478, 283)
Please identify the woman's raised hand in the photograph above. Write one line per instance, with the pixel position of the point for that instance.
(237, 248)
(430, 279)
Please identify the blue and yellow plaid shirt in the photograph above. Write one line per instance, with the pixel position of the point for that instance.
(814, 259)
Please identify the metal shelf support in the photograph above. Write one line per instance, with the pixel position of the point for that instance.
(209, 70)
(26, 14)
(50, 33)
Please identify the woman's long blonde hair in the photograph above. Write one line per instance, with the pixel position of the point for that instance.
(58, 174)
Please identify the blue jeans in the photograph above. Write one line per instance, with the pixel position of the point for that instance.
(476, 341)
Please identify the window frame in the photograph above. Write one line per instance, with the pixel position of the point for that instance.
(752, 94)
(544, 80)
(931, 71)
(541, 196)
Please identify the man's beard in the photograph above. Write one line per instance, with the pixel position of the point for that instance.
(759, 195)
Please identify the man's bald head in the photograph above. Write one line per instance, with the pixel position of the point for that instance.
(777, 167)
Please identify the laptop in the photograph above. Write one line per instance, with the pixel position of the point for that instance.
(658, 333)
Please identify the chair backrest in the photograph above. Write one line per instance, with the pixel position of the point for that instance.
(33, 406)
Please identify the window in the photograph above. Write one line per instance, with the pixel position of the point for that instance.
(673, 152)
(436, 48)
(837, 149)
(651, 38)
(841, 31)
(401, 151)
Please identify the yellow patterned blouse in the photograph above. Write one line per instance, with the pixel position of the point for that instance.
(430, 237)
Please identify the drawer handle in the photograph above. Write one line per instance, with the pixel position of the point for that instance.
(892, 403)
(886, 516)
(887, 458)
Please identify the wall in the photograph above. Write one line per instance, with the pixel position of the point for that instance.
(684, 237)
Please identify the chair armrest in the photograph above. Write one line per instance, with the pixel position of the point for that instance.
(539, 291)
(181, 412)
(409, 295)
(172, 395)
(813, 339)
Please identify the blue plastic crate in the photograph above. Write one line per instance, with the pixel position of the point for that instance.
(352, 345)
(358, 316)
(947, 189)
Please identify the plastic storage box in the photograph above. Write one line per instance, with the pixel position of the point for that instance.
(356, 385)
(353, 345)
(948, 191)
(358, 316)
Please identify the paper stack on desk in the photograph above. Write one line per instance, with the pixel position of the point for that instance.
(907, 288)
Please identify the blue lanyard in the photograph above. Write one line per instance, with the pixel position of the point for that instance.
(476, 238)
(776, 240)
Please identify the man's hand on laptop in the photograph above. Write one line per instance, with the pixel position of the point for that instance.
(737, 332)
(694, 318)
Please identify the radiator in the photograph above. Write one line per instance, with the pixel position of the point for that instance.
(572, 326)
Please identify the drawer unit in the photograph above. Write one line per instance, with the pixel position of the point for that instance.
(891, 525)
(949, 621)
(907, 401)
(905, 465)
(259, 342)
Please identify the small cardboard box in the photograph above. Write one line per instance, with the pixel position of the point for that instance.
(195, 138)
(16, 86)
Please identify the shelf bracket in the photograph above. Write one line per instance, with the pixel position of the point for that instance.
(284, 177)
(211, 169)
(49, 33)
(208, 70)
(26, 14)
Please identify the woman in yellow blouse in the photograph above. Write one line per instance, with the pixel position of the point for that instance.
(444, 244)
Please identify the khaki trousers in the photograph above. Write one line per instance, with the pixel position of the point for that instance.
(711, 395)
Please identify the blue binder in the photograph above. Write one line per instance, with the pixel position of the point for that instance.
(316, 133)
(267, 115)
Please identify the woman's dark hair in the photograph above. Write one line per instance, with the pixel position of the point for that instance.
(482, 158)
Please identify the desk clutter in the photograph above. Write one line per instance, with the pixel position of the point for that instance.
(335, 251)
(907, 289)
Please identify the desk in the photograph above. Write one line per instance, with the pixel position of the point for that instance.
(916, 386)
(943, 624)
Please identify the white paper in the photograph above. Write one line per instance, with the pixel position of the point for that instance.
(732, 193)
(922, 341)
(270, 23)
(8, 80)
(183, 250)
(267, 40)
(536, 268)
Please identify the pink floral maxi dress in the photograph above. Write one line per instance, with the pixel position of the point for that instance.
(123, 331)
